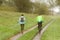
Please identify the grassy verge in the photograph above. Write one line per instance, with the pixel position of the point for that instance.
(52, 33)
(31, 34)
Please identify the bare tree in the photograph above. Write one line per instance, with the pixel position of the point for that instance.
(23, 5)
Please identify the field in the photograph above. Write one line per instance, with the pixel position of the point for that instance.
(9, 25)
(52, 33)
(11, 10)
(30, 35)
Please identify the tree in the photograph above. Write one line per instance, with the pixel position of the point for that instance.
(41, 8)
(58, 2)
(23, 5)
(1, 2)
(52, 3)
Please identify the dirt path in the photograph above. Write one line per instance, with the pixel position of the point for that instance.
(38, 36)
(19, 35)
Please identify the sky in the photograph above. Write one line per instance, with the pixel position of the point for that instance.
(56, 9)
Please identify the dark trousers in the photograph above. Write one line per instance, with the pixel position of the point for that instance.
(39, 26)
(22, 28)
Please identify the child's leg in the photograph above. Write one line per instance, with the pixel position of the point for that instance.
(40, 26)
(22, 28)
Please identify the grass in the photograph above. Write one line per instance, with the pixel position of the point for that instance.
(52, 33)
(46, 19)
(31, 34)
(9, 23)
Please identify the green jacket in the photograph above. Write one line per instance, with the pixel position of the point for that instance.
(39, 18)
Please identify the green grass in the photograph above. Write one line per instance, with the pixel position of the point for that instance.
(53, 31)
(46, 19)
(31, 34)
(9, 23)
